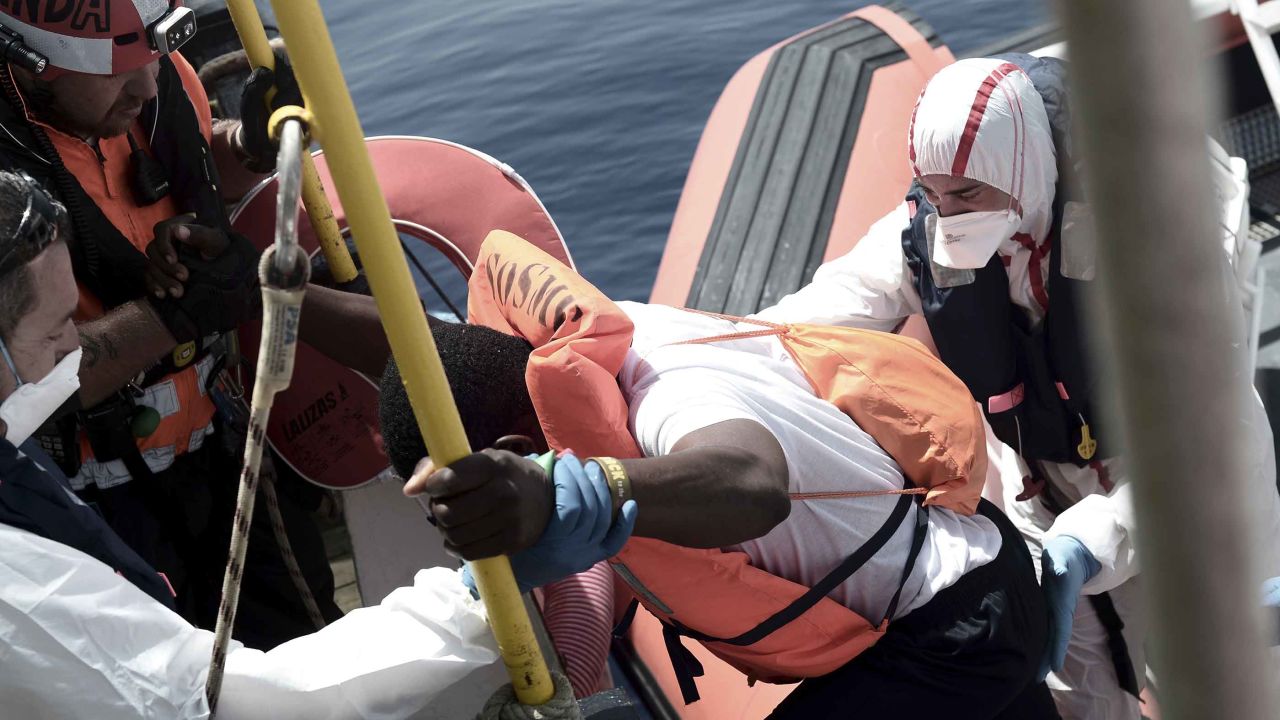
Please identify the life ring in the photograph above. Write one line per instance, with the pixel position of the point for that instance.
(442, 194)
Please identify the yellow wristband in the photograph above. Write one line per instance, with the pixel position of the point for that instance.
(615, 476)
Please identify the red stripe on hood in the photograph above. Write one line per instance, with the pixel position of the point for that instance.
(1035, 267)
(911, 136)
(979, 108)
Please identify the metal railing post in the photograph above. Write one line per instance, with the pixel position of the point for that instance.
(1175, 348)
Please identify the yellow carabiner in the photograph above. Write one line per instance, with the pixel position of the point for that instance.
(253, 35)
(1088, 446)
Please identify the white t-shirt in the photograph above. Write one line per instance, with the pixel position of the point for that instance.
(676, 389)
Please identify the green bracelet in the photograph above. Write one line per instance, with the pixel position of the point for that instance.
(615, 476)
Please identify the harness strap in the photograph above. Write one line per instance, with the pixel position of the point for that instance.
(820, 589)
(1116, 645)
(687, 667)
(917, 543)
(628, 617)
(1007, 401)
(684, 663)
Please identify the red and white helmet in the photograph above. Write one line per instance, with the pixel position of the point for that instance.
(99, 37)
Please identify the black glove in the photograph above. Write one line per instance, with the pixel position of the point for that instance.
(220, 291)
(255, 141)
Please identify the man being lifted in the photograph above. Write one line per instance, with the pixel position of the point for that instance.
(767, 473)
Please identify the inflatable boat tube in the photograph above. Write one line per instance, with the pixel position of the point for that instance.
(805, 149)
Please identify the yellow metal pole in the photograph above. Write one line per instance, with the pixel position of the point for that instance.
(244, 15)
(316, 67)
(324, 224)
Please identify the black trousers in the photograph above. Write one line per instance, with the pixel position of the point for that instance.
(180, 523)
(970, 653)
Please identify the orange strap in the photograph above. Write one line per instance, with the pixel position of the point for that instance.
(767, 329)
(858, 494)
(732, 336)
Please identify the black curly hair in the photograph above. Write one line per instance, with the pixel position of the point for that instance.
(486, 373)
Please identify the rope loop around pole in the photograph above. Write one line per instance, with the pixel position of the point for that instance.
(503, 704)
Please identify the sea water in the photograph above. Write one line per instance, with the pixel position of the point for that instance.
(599, 104)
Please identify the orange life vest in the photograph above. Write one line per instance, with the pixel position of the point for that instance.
(768, 627)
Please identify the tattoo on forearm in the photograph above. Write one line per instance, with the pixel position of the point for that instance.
(97, 348)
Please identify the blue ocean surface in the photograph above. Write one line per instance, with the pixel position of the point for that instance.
(599, 104)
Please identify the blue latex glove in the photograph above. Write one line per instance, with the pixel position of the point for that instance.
(1065, 566)
(581, 531)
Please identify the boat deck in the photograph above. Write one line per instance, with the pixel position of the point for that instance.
(337, 544)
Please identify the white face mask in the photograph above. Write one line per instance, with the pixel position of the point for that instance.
(968, 240)
(33, 403)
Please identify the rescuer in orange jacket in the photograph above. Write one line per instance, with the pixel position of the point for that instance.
(102, 111)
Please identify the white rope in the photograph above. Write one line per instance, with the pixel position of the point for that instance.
(283, 287)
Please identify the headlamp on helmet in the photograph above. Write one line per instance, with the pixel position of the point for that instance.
(14, 50)
(173, 30)
(93, 36)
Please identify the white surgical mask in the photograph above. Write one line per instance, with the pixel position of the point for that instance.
(31, 404)
(968, 240)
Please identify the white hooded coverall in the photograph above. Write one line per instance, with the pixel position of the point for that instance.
(79, 641)
(1011, 148)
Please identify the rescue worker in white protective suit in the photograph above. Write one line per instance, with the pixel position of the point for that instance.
(988, 248)
(88, 629)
